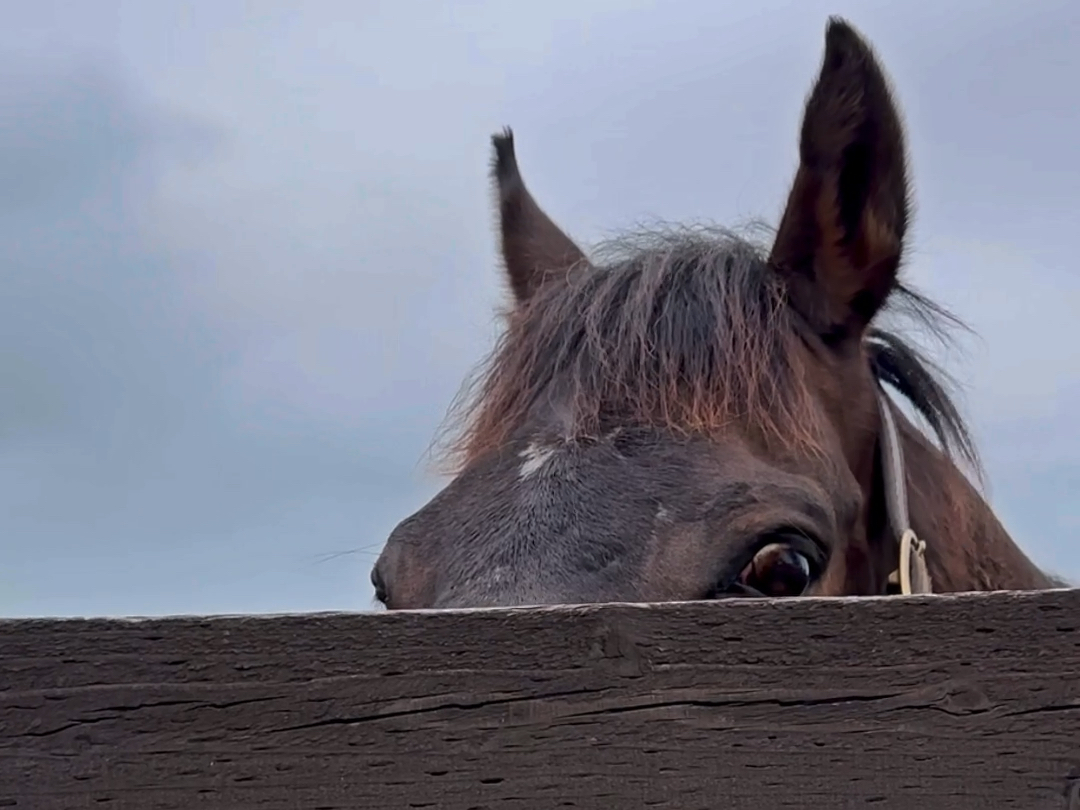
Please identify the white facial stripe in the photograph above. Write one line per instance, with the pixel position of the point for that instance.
(535, 457)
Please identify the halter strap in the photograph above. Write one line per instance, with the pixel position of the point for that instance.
(911, 574)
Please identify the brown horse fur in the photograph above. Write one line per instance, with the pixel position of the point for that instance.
(653, 417)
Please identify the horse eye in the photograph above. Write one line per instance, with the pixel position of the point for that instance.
(777, 570)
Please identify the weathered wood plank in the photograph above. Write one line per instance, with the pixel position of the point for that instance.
(928, 702)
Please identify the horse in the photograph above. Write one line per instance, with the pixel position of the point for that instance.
(694, 413)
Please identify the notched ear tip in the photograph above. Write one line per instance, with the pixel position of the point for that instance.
(504, 166)
(533, 247)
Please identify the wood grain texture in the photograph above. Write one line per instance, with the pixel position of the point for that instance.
(920, 703)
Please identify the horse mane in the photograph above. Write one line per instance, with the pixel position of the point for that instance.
(895, 360)
(682, 328)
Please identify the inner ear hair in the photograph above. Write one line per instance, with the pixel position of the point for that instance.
(841, 236)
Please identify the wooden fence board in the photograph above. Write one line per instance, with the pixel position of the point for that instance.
(917, 703)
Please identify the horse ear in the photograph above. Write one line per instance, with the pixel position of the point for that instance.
(840, 240)
(533, 247)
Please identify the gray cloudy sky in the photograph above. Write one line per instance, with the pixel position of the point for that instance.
(247, 255)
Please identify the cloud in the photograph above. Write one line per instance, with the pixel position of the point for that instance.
(91, 316)
(130, 475)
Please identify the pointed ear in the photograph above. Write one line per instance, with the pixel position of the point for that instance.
(841, 238)
(533, 247)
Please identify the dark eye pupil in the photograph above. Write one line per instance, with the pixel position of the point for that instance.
(777, 570)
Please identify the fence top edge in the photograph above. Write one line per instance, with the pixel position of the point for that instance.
(590, 609)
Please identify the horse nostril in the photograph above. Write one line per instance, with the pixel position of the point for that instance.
(379, 584)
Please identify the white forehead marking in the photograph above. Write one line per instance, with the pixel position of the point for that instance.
(535, 457)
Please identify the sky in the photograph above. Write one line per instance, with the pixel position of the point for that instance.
(247, 253)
